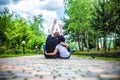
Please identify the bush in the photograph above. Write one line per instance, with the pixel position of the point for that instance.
(29, 51)
(18, 51)
(10, 51)
(108, 54)
(2, 49)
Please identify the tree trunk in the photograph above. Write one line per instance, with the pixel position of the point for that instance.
(109, 44)
(78, 40)
(97, 43)
(115, 47)
(86, 40)
(79, 44)
(82, 43)
(105, 43)
(81, 40)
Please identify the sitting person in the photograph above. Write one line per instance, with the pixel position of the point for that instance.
(63, 50)
(61, 47)
(51, 43)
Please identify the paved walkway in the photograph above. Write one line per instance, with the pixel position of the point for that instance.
(39, 68)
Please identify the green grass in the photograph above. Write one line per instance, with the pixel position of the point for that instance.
(107, 59)
(16, 55)
(100, 51)
(81, 54)
(113, 55)
(99, 58)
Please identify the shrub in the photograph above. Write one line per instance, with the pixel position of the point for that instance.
(100, 54)
(10, 51)
(2, 49)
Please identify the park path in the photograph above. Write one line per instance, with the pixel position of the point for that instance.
(39, 68)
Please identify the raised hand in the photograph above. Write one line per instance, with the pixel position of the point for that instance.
(55, 21)
(60, 27)
(53, 26)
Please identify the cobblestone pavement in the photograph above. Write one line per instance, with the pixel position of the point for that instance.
(39, 68)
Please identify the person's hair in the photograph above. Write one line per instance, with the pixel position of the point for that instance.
(56, 34)
(61, 39)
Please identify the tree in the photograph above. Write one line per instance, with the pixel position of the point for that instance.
(78, 25)
(105, 19)
(37, 27)
(14, 30)
(5, 21)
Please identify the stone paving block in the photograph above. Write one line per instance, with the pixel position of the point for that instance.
(6, 75)
(34, 78)
(41, 73)
(86, 78)
(18, 78)
(98, 70)
(109, 77)
(23, 75)
(114, 71)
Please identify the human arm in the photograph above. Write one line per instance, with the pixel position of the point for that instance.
(60, 27)
(64, 44)
(53, 26)
(52, 53)
(62, 39)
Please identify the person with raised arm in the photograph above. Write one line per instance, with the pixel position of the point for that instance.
(51, 42)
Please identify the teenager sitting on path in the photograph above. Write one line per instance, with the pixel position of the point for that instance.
(63, 50)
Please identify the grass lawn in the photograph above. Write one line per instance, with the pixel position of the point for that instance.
(98, 58)
(83, 54)
(112, 55)
(16, 55)
(100, 51)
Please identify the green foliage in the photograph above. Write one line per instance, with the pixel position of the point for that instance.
(89, 20)
(95, 54)
(17, 55)
(106, 19)
(5, 19)
(2, 49)
(14, 30)
(73, 46)
(78, 24)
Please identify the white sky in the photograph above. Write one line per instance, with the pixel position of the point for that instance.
(50, 9)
